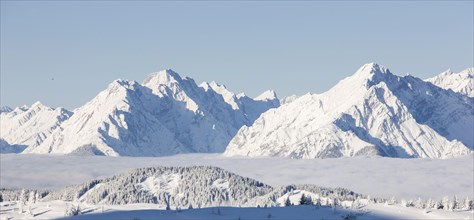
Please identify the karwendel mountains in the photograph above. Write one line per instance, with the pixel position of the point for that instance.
(373, 112)
(165, 115)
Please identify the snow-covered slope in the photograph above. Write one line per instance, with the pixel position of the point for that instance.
(462, 82)
(30, 126)
(118, 121)
(166, 114)
(288, 99)
(370, 113)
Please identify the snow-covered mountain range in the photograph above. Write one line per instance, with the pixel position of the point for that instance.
(166, 114)
(462, 82)
(372, 112)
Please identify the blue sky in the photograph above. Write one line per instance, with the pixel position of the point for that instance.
(291, 47)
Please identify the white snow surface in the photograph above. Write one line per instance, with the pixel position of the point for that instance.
(372, 112)
(377, 176)
(288, 99)
(164, 183)
(167, 114)
(56, 210)
(462, 82)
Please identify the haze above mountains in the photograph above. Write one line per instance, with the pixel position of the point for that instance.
(373, 112)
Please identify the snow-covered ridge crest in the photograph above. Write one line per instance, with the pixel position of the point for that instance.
(29, 126)
(372, 112)
(462, 82)
(267, 95)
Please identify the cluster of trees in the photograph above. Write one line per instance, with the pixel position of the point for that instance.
(326, 196)
(196, 187)
(25, 199)
(445, 203)
(21, 194)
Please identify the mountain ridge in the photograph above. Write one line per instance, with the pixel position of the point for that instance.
(166, 114)
(372, 112)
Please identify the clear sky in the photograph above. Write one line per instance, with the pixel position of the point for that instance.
(291, 47)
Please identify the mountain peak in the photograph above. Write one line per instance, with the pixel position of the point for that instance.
(267, 95)
(216, 85)
(39, 105)
(371, 69)
(162, 77)
(118, 83)
(469, 71)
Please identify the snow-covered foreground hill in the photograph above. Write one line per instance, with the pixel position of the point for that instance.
(55, 210)
(379, 176)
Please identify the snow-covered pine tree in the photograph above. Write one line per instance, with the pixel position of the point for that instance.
(318, 203)
(418, 203)
(454, 204)
(287, 201)
(303, 199)
(37, 196)
(468, 204)
(392, 201)
(31, 197)
(21, 201)
(72, 210)
(309, 200)
(429, 204)
(445, 203)
(439, 205)
(404, 203)
(166, 197)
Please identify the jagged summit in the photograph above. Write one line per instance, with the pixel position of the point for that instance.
(38, 105)
(267, 95)
(370, 69)
(461, 82)
(162, 77)
(370, 74)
